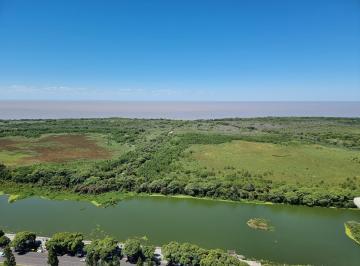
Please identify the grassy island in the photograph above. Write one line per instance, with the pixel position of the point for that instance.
(352, 230)
(260, 224)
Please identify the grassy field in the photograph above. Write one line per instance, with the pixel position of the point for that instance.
(57, 148)
(290, 163)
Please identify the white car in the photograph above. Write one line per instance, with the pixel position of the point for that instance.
(2, 254)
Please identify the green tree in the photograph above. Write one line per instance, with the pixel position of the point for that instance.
(52, 257)
(132, 249)
(4, 172)
(24, 241)
(66, 243)
(218, 257)
(9, 257)
(185, 254)
(148, 252)
(104, 251)
(4, 241)
(139, 262)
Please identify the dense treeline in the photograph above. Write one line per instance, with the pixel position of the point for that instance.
(151, 166)
(108, 251)
(342, 132)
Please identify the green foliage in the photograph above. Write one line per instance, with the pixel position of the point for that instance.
(132, 249)
(9, 257)
(4, 172)
(185, 254)
(24, 241)
(52, 257)
(160, 158)
(66, 243)
(4, 241)
(104, 251)
(148, 252)
(352, 229)
(217, 257)
(139, 262)
(189, 254)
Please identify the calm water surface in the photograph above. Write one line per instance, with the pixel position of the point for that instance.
(302, 235)
(173, 110)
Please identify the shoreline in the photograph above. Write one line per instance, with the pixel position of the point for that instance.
(112, 198)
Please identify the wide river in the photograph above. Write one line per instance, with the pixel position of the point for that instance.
(302, 235)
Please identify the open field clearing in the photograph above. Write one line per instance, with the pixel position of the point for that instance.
(291, 163)
(55, 148)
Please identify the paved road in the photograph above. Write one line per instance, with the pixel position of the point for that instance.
(39, 259)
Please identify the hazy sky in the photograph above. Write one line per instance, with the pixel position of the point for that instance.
(180, 50)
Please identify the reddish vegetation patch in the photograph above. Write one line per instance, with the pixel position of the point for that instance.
(57, 148)
(8, 144)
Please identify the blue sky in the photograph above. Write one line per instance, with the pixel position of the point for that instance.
(187, 50)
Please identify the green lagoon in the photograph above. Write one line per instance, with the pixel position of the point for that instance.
(302, 235)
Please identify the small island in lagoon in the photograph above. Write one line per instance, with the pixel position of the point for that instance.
(352, 230)
(260, 224)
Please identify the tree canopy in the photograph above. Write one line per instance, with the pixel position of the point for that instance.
(104, 251)
(24, 241)
(66, 243)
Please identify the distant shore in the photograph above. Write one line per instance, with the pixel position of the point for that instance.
(174, 109)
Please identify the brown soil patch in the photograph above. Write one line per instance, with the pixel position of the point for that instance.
(8, 144)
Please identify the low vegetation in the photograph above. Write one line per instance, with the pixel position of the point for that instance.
(302, 161)
(352, 230)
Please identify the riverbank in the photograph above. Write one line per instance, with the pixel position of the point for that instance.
(18, 192)
(21, 191)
